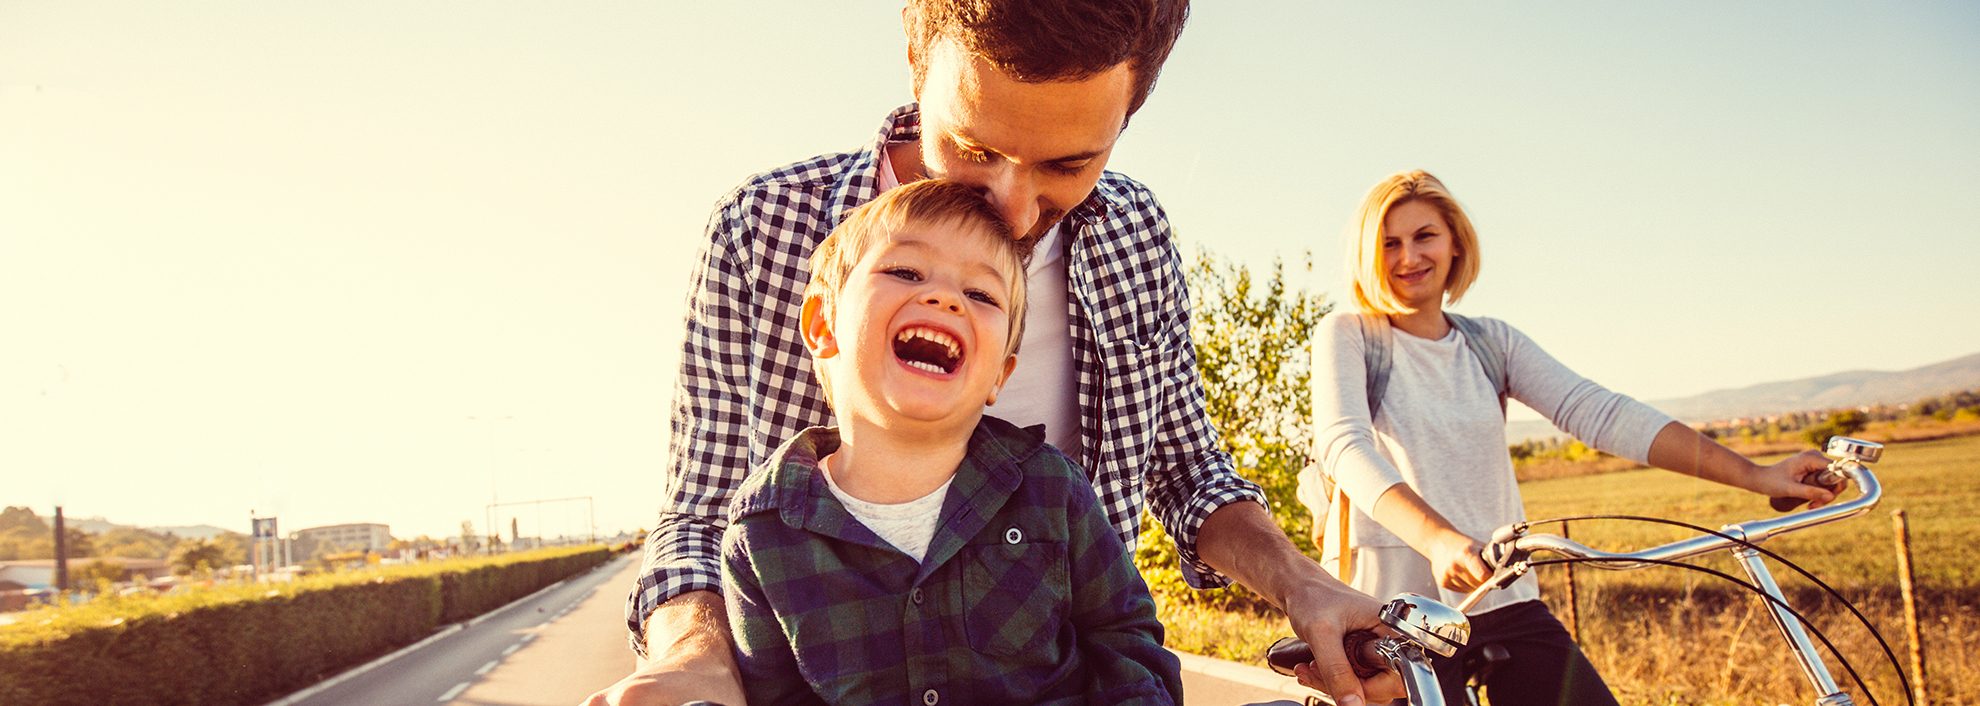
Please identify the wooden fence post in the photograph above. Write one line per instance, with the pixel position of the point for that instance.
(1574, 607)
(1910, 606)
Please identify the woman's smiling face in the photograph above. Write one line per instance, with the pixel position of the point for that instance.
(1417, 250)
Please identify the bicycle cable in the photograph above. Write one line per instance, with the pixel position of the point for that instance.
(1756, 589)
(1889, 655)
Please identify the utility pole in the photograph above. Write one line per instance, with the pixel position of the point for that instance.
(61, 554)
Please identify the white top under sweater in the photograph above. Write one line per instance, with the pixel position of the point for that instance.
(1441, 431)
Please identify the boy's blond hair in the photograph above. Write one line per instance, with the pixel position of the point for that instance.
(932, 202)
(1365, 267)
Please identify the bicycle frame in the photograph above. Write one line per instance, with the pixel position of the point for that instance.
(1512, 545)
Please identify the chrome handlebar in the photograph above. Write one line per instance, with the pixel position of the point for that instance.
(1510, 547)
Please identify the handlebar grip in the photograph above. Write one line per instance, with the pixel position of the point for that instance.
(1785, 504)
(1291, 652)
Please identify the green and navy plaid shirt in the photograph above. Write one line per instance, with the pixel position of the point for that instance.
(1026, 595)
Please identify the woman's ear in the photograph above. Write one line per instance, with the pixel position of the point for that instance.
(815, 321)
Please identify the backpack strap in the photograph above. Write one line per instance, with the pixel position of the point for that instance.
(1377, 338)
(1492, 357)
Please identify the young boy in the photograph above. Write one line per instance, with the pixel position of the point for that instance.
(921, 552)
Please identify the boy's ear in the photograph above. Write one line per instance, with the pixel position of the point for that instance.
(815, 321)
(1010, 364)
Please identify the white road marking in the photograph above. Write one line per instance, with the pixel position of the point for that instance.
(456, 691)
(512, 649)
(528, 637)
(484, 668)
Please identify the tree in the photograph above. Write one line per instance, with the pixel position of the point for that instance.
(1253, 336)
(233, 548)
(13, 518)
(93, 573)
(76, 544)
(196, 556)
(1844, 423)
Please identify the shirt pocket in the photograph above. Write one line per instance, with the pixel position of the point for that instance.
(1015, 598)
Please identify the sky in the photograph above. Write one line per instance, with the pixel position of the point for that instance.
(392, 262)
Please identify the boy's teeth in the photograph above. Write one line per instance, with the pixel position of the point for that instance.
(931, 335)
(930, 367)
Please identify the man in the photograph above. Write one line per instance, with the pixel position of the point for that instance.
(1025, 101)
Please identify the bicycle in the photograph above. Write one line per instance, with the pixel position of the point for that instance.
(1510, 556)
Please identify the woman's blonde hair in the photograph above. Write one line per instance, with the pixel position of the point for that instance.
(1365, 267)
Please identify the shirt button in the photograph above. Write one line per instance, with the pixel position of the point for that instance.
(1013, 536)
(930, 698)
(915, 595)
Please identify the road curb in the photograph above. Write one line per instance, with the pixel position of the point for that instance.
(444, 631)
(1252, 677)
(354, 672)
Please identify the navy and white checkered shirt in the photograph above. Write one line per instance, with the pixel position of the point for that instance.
(746, 384)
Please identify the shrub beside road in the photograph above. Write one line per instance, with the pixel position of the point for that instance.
(249, 643)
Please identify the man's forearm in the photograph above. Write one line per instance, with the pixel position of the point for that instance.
(691, 628)
(1241, 541)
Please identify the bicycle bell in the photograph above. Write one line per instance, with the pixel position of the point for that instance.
(1857, 450)
(1437, 627)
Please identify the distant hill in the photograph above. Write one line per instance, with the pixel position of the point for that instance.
(1846, 389)
(98, 525)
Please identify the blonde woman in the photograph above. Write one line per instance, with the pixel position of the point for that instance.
(1420, 454)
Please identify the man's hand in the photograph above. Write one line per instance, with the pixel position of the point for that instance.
(1240, 540)
(1322, 614)
(688, 641)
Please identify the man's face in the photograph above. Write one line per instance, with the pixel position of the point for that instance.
(1036, 148)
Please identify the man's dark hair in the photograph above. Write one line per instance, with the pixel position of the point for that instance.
(1053, 40)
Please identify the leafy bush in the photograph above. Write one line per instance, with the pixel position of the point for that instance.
(1253, 337)
(243, 644)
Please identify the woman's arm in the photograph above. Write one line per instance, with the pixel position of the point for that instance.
(1617, 424)
(1454, 557)
(1682, 449)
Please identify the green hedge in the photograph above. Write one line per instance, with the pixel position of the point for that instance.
(248, 644)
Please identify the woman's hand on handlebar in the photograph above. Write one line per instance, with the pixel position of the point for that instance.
(1793, 478)
(1456, 561)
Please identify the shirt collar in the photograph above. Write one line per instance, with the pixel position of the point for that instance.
(861, 182)
(790, 483)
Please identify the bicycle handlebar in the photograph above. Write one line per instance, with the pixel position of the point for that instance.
(1507, 553)
(1289, 652)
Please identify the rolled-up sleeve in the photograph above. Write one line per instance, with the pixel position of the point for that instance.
(1190, 475)
(708, 452)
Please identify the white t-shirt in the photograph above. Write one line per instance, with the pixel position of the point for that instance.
(1045, 387)
(908, 526)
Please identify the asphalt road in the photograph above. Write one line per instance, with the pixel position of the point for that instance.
(552, 649)
(558, 647)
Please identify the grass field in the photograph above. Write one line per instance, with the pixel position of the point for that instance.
(1666, 636)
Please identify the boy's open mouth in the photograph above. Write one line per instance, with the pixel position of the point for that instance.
(928, 349)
